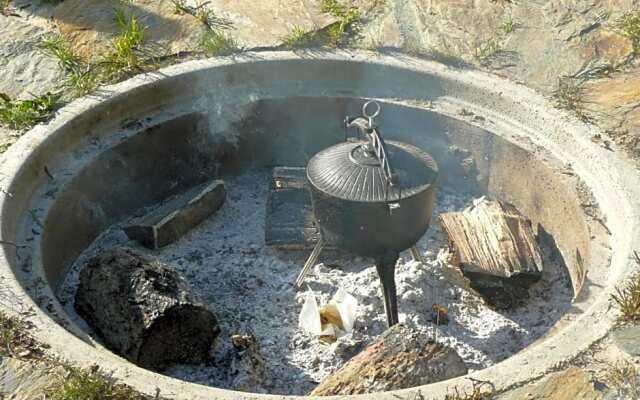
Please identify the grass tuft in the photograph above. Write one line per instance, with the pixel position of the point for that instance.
(476, 394)
(299, 37)
(218, 44)
(485, 50)
(5, 7)
(631, 28)
(347, 17)
(627, 298)
(570, 96)
(80, 384)
(23, 114)
(80, 77)
(14, 340)
(124, 58)
(508, 25)
(624, 378)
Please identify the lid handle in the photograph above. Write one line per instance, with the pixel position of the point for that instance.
(376, 146)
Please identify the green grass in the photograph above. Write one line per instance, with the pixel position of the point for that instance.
(23, 114)
(508, 25)
(299, 37)
(570, 96)
(623, 377)
(627, 298)
(631, 28)
(205, 15)
(56, 46)
(180, 7)
(347, 17)
(486, 49)
(218, 44)
(124, 57)
(79, 384)
(475, 394)
(81, 78)
(5, 7)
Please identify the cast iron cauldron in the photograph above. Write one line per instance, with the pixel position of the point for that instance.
(373, 198)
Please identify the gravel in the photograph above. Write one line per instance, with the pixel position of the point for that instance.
(250, 289)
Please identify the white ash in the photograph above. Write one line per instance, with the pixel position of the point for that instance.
(250, 289)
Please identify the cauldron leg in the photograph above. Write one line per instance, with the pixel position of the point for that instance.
(386, 271)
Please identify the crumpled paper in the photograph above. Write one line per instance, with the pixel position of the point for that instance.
(331, 321)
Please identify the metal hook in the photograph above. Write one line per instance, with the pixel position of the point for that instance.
(370, 117)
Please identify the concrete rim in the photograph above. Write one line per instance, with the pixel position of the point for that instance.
(613, 180)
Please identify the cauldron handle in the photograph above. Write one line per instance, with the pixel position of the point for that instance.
(386, 267)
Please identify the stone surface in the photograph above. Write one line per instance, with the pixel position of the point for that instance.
(571, 384)
(24, 380)
(177, 215)
(265, 23)
(144, 310)
(26, 70)
(614, 103)
(399, 359)
(89, 24)
(627, 339)
(549, 39)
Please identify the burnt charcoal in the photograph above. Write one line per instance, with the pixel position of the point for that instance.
(248, 367)
(144, 311)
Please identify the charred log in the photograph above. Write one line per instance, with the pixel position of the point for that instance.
(399, 359)
(144, 310)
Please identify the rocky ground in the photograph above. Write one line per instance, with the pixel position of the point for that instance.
(578, 51)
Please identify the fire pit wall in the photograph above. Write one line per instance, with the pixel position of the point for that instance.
(156, 135)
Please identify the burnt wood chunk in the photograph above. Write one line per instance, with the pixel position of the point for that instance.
(400, 358)
(496, 249)
(289, 222)
(177, 215)
(144, 310)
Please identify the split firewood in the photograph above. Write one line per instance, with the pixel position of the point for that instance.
(144, 310)
(496, 250)
(399, 359)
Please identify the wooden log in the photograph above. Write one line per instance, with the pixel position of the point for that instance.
(144, 310)
(399, 359)
(289, 222)
(496, 249)
(177, 215)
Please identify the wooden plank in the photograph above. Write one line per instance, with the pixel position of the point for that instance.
(177, 215)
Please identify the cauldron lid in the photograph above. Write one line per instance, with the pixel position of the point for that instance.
(347, 171)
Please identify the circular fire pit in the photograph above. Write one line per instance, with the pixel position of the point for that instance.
(103, 158)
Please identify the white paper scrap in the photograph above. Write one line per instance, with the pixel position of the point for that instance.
(309, 319)
(347, 307)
